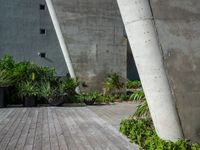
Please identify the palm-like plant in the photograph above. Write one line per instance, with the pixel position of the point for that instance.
(52, 92)
(28, 89)
(47, 91)
(112, 83)
(6, 78)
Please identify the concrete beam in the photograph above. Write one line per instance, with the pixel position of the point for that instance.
(139, 25)
(60, 38)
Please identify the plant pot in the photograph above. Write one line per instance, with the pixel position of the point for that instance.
(30, 101)
(57, 101)
(89, 102)
(3, 97)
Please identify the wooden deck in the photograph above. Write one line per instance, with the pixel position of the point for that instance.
(61, 128)
(114, 113)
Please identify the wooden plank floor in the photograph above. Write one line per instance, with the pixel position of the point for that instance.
(114, 113)
(58, 128)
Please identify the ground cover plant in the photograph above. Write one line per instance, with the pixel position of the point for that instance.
(140, 130)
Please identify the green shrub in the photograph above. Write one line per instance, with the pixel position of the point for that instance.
(28, 89)
(6, 78)
(137, 95)
(7, 63)
(105, 99)
(112, 84)
(68, 85)
(142, 110)
(142, 133)
(123, 97)
(47, 73)
(88, 97)
(133, 84)
(95, 97)
(139, 129)
(47, 90)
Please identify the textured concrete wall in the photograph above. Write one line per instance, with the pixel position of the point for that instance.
(93, 32)
(178, 27)
(20, 23)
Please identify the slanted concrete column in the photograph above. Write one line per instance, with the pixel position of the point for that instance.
(60, 38)
(139, 25)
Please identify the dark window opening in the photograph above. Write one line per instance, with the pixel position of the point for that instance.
(42, 31)
(42, 54)
(42, 7)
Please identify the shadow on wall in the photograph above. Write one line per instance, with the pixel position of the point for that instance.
(132, 73)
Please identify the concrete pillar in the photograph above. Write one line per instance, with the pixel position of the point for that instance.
(60, 38)
(139, 25)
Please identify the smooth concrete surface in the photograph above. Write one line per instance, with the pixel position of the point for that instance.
(93, 32)
(139, 25)
(178, 27)
(20, 24)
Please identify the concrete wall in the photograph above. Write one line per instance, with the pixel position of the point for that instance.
(93, 32)
(178, 26)
(20, 23)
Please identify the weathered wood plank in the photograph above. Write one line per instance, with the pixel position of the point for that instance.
(37, 145)
(11, 130)
(14, 139)
(52, 131)
(7, 118)
(114, 113)
(22, 139)
(46, 145)
(96, 139)
(110, 132)
(75, 131)
(4, 113)
(31, 133)
(62, 128)
(7, 123)
(68, 137)
(59, 132)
